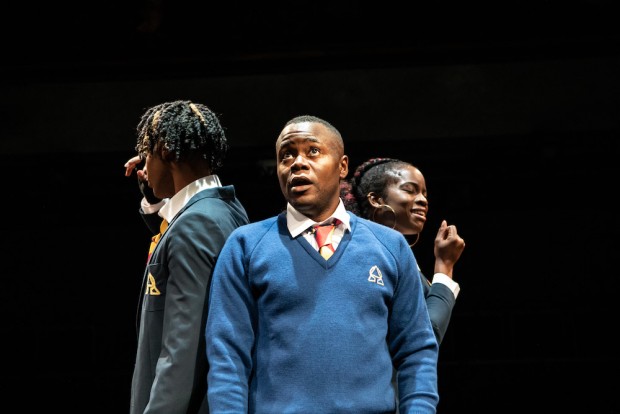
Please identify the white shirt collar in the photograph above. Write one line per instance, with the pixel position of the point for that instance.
(178, 201)
(297, 223)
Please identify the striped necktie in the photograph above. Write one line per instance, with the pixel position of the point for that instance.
(323, 234)
(155, 239)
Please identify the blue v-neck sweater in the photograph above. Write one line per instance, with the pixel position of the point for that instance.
(289, 332)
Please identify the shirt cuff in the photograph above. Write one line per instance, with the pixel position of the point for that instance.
(446, 280)
(151, 208)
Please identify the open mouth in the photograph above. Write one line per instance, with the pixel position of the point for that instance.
(299, 183)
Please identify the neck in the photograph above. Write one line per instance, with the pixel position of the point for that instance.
(184, 173)
(412, 239)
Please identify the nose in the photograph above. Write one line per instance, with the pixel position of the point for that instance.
(299, 162)
(421, 200)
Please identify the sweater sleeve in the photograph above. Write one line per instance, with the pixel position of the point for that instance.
(412, 341)
(230, 331)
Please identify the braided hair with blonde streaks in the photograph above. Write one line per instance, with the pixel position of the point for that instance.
(372, 176)
(186, 129)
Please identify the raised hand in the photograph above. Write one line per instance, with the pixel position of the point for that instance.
(132, 164)
(143, 183)
(448, 248)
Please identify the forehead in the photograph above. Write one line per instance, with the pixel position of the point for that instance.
(306, 131)
(410, 174)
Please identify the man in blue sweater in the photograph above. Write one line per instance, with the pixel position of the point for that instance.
(292, 332)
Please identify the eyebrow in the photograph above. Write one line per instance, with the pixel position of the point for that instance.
(288, 140)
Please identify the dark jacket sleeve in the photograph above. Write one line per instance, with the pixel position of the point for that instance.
(440, 301)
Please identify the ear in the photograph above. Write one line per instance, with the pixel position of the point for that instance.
(374, 200)
(344, 167)
(165, 153)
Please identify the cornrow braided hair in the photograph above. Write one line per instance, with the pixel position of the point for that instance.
(185, 129)
(372, 176)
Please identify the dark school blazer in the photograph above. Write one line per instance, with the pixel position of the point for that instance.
(171, 366)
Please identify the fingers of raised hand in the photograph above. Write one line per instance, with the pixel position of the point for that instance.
(131, 164)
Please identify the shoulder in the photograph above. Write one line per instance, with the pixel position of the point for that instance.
(214, 213)
(214, 195)
(257, 229)
(371, 232)
(379, 230)
(246, 238)
(226, 192)
(215, 199)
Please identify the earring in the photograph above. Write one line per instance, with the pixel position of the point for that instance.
(389, 207)
(416, 240)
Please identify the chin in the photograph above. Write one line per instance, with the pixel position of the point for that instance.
(410, 231)
(299, 205)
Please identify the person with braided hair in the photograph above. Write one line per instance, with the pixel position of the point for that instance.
(393, 192)
(183, 145)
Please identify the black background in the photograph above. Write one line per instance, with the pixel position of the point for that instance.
(510, 111)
